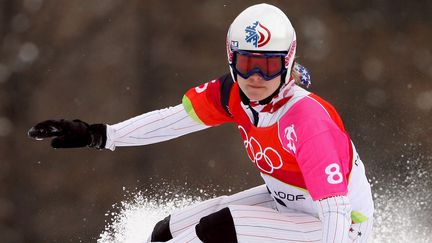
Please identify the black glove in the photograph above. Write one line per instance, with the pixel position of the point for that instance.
(70, 134)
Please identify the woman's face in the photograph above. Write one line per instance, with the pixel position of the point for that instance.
(256, 88)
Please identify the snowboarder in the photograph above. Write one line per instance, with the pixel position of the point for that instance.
(315, 184)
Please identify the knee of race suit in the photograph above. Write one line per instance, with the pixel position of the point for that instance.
(213, 228)
(161, 231)
(217, 227)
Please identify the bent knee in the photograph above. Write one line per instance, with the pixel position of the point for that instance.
(217, 227)
(161, 231)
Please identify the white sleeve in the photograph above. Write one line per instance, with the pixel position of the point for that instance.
(152, 127)
(335, 215)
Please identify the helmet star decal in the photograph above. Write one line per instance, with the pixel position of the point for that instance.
(257, 34)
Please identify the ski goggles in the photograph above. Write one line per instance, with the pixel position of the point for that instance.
(267, 65)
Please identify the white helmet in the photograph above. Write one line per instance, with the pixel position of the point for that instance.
(262, 28)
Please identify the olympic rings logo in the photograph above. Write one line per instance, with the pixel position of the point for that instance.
(267, 160)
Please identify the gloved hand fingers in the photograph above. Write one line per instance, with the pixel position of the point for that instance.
(45, 129)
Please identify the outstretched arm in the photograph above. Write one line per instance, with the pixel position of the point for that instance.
(151, 127)
(202, 107)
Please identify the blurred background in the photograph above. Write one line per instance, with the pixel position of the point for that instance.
(109, 60)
